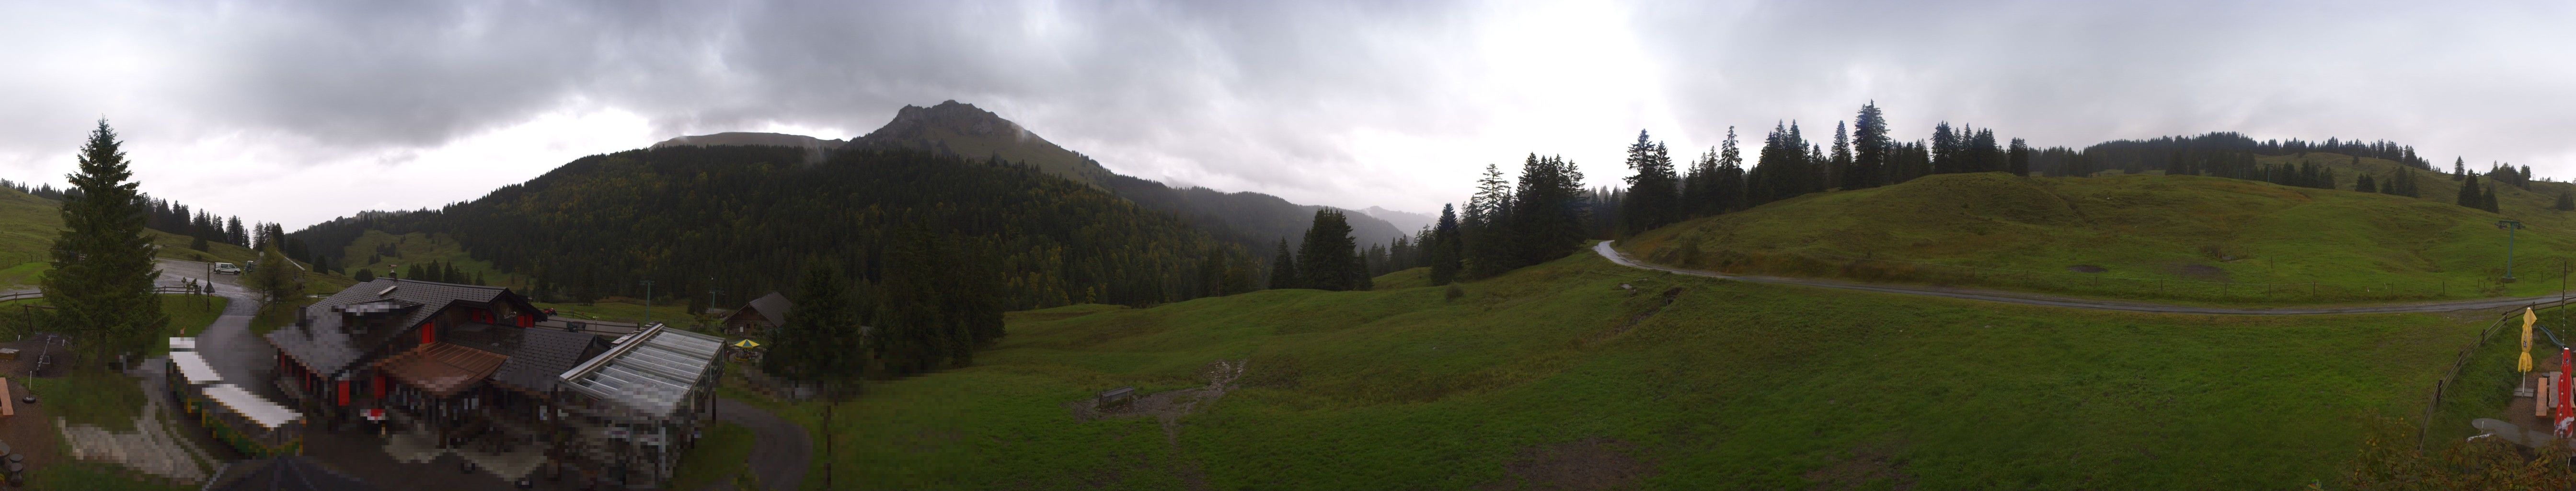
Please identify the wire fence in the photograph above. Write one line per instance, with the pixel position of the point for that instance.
(2101, 281)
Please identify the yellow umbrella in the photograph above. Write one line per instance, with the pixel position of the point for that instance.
(2526, 334)
(2525, 363)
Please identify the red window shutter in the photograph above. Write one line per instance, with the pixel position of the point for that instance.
(344, 392)
(379, 386)
(428, 332)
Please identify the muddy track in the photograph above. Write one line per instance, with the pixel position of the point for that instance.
(1603, 248)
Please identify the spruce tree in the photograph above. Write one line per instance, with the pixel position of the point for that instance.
(2469, 195)
(1283, 269)
(364, 275)
(2566, 201)
(1842, 158)
(1869, 149)
(2459, 168)
(1729, 182)
(1653, 198)
(2489, 202)
(101, 283)
(2364, 184)
(809, 347)
(1446, 251)
(1328, 259)
(1485, 230)
(2017, 161)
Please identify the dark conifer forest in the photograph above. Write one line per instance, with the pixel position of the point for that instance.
(755, 218)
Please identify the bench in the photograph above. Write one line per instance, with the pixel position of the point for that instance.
(1116, 397)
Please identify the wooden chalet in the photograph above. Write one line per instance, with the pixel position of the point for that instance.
(428, 353)
(472, 363)
(760, 316)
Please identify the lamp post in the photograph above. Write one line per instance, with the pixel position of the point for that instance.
(2509, 226)
(648, 305)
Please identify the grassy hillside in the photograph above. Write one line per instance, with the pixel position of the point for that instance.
(1554, 376)
(28, 225)
(2185, 238)
(419, 248)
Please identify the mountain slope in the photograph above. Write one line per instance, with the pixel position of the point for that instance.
(29, 224)
(1402, 220)
(1253, 219)
(751, 219)
(2153, 236)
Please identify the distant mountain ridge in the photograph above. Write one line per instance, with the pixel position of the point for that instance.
(1403, 220)
(962, 130)
(1253, 219)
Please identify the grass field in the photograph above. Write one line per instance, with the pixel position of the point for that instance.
(96, 397)
(1732, 386)
(28, 226)
(189, 314)
(2186, 238)
(420, 248)
(718, 457)
(621, 309)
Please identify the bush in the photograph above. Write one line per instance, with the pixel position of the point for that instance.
(1454, 292)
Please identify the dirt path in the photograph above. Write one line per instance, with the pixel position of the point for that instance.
(1603, 248)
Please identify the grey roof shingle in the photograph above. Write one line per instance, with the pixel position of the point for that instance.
(773, 307)
(327, 346)
(544, 353)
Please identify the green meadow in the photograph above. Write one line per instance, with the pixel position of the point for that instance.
(2173, 238)
(1555, 376)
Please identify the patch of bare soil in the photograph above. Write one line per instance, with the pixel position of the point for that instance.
(31, 431)
(2087, 268)
(1168, 407)
(1867, 464)
(2201, 272)
(1587, 464)
(1667, 301)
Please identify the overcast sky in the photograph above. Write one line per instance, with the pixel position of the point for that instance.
(296, 112)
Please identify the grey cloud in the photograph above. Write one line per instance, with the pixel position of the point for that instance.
(1260, 96)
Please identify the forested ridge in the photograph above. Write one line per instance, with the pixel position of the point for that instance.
(749, 219)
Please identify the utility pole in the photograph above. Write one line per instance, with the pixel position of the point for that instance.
(711, 296)
(2509, 226)
(648, 305)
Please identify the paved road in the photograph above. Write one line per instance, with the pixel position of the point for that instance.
(243, 358)
(780, 449)
(1622, 259)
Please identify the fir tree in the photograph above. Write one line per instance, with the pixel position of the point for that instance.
(2566, 201)
(2489, 202)
(811, 345)
(2469, 195)
(1869, 149)
(1446, 252)
(1485, 230)
(1653, 198)
(1729, 183)
(1841, 168)
(2018, 160)
(1283, 269)
(101, 283)
(2364, 184)
(1327, 260)
(364, 275)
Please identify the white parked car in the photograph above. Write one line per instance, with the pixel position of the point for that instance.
(227, 268)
